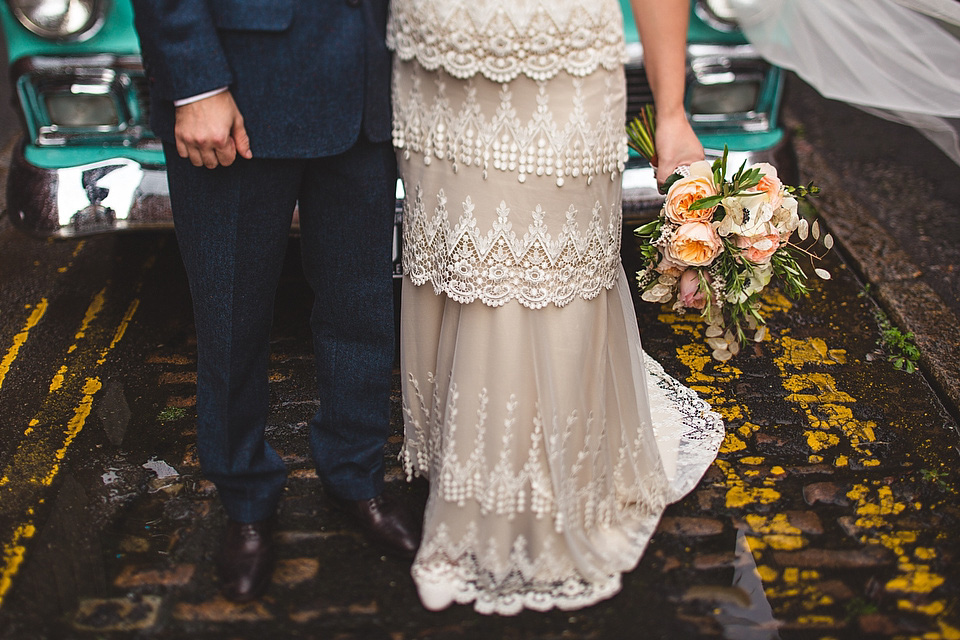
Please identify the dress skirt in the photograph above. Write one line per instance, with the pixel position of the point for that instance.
(552, 444)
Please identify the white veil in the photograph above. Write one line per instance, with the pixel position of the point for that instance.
(899, 59)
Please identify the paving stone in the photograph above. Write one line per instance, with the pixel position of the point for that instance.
(134, 576)
(878, 624)
(811, 469)
(836, 589)
(835, 559)
(705, 561)
(222, 610)
(117, 614)
(178, 377)
(827, 493)
(296, 537)
(691, 527)
(806, 521)
(709, 499)
(718, 594)
(182, 402)
(356, 609)
(292, 571)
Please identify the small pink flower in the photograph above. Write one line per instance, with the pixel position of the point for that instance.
(759, 249)
(689, 292)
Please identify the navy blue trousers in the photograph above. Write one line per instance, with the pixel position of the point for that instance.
(232, 225)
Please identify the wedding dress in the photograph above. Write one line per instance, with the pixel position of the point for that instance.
(552, 443)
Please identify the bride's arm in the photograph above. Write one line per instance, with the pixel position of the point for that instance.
(662, 25)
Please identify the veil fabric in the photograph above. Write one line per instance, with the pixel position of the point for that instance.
(899, 59)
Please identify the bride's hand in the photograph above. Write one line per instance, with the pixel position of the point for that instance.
(676, 145)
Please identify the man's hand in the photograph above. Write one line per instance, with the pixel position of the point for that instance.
(676, 145)
(210, 132)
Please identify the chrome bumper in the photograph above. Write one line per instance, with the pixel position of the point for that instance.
(103, 197)
(122, 195)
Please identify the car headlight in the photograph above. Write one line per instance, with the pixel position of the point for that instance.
(74, 110)
(723, 98)
(59, 19)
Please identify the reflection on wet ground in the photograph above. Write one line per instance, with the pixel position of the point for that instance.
(832, 511)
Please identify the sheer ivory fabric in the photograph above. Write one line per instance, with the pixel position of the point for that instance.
(552, 445)
(891, 58)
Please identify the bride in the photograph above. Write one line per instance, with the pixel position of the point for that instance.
(552, 443)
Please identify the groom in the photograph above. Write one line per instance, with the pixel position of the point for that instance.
(263, 105)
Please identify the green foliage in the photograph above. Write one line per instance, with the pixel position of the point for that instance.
(899, 346)
(641, 133)
(172, 414)
(741, 183)
(937, 478)
(859, 607)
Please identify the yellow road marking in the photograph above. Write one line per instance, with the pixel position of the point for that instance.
(61, 418)
(21, 338)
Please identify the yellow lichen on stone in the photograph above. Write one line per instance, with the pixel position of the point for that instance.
(820, 440)
(731, 443)
(811, 351)
(918, 581)
(767, 574)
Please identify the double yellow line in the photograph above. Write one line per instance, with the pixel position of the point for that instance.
(28, 474)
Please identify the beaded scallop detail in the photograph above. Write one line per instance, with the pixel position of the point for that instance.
(520, 257)
(581, 136)
(503, 39)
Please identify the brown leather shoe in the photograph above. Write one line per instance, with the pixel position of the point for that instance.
(385, 522)
(246, 560)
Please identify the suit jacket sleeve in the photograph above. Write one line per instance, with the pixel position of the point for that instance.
(181, 48)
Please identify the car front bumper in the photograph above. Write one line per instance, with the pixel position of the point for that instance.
(122, 194)
(116, 194)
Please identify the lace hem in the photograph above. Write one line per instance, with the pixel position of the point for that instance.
(451, 571)
(702, 434)
(498, 265)
(503, 39)
(477, 570)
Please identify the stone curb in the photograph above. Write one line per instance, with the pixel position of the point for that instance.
(895, 280)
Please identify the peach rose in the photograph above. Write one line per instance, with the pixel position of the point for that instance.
(688, 290)
(669, 267)
(684, 192)
(770, 184)
(758, 249)
(695, 244)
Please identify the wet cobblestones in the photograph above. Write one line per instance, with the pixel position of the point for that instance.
(832, 511)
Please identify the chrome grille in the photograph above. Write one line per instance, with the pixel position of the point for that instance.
(638, 90)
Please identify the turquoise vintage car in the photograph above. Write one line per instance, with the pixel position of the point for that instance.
(88, 162)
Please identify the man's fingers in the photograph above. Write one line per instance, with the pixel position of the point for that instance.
(193, 154)
(182, 149)
(209, 158)
(241, 139)
(227, 154)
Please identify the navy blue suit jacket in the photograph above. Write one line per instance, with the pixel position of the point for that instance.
(308, 75)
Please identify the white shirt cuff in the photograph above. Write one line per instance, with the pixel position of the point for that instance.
(198, 97)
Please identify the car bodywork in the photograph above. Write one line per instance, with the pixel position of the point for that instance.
(87, 162)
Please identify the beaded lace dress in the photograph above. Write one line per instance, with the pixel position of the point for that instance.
(552, 443)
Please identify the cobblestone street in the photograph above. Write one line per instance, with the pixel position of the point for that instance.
(831, 512)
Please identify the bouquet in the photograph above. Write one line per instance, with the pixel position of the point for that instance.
(718, 242)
